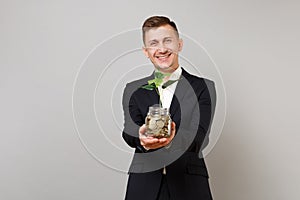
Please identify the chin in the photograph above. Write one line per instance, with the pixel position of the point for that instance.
(164, 65)
(165, 68)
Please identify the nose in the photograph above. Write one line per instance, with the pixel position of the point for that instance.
(162, 49)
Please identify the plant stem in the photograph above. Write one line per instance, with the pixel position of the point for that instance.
(160, 103)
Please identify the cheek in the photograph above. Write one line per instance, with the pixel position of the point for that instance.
(173, 47)
(151, 52)
(152, 55)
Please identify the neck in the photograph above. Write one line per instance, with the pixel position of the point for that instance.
(169, 70)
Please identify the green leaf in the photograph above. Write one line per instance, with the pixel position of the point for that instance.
(149, 86)
(159, 75)
(151, 81)
(158, 82)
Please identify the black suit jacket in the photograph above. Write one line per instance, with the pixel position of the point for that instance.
(192, 109)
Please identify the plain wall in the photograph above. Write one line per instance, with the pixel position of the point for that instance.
(255, 45)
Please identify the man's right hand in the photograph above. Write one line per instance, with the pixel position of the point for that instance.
(149, 142)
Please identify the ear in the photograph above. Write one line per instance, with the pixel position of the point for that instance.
(145, 51)
(180, 44)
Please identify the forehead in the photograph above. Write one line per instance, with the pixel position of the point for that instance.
(160, 33)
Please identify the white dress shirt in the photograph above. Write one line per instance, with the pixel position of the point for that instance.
(166, 95)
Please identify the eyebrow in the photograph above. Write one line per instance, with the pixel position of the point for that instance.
(155, 40)
(152, 41)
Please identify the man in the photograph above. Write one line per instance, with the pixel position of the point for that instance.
(168, 168)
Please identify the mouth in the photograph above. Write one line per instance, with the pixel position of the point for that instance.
(163, 57)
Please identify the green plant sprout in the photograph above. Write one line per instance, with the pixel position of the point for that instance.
(153, 84)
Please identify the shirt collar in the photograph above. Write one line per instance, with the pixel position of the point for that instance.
(176, 74)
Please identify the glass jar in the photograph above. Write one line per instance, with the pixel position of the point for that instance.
(158, 122)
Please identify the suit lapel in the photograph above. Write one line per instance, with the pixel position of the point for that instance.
(150, 96)
(179, 94)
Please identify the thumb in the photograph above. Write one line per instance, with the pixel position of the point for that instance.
(142, 129)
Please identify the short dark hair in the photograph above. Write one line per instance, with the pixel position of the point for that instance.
(157, 21)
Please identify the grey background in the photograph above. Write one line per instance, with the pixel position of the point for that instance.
(254, 43)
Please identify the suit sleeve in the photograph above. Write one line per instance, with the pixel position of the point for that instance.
(193, 132)
(133, 119)
(206, 103)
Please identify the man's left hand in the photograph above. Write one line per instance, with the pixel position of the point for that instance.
(149, 142)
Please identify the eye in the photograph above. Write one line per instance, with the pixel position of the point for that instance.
(153, 43)
(169, 40)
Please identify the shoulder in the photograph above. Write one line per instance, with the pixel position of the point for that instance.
(135, 85)
(138, 82)
(197, 81)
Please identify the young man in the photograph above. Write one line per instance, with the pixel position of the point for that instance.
(168, 168)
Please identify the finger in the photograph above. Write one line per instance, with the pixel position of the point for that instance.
(154, 146)
(173, 126)
(144, 140)
(149, 140)
(163, 140)
(142, 129)
(160, 144)
(167, 141)
(154, 142)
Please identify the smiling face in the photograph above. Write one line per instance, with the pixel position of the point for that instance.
(162, 45)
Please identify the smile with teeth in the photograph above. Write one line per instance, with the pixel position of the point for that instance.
(163, 57)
